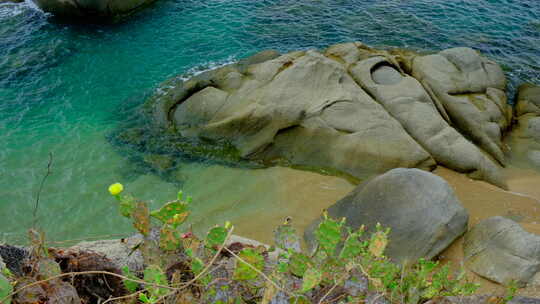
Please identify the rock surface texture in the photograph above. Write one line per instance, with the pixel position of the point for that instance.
(122, 253)
(501, 250)
(349, 109)
(421, 209)
(525, 137)
(79, 10)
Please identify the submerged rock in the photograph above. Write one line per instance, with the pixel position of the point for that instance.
(421, 209)
(350, 109)
(158, 162)
(501, 250)
(95, 10)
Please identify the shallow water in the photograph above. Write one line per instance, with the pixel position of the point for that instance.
(64, 88)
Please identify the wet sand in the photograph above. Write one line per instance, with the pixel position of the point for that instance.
(259, 200)
(520, 203)
(256, 201)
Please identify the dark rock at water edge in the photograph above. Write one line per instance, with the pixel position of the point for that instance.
(13, 257)
(92, 10)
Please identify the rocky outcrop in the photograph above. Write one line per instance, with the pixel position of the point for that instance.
(95, 10)
(124, 253)
(349, 109)
(421, 209)
(120, 252)
(525, 137)
(405, 98)
(501, 250)
(469, 90)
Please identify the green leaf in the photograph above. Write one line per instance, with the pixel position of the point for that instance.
(169, 238)
(352, 247)
(5, 289)
(141, 218)
(173, 213)
(155, 275)
(328, 235)
(144, 298)
(312, 278)
(243, 271)
(197, 266)
(48, 268)
(180, 195)
(298, 263)
(127, 205)
(216, 237)
(283, 267)
(286, 238)
(378, 243)
(6, 272)
(130, 285)
(299, 300)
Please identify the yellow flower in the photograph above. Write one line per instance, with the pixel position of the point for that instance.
(116, 189)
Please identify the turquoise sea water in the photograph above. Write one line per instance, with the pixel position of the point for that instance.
(64, 88)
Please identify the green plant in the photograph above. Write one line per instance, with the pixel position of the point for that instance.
(511, 290)
(5, 286)
(212, 272)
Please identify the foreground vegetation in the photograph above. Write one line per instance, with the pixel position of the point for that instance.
(345, 267)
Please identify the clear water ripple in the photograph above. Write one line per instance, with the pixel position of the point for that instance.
(63, 88)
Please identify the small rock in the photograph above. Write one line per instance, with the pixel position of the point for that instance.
(159, 162)
(14, 257)
(91, 10)
(421, 209)
(120, 252)
(501, 250)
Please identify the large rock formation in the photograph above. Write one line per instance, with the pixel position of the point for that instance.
(525, 137)
(350, 109)
(502, 251)
(470, 91)
(421, 209)
(79, 10)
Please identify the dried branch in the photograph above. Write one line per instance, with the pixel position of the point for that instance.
(38, 195)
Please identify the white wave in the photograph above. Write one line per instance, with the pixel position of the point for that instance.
(194, 71)
(32, 5)
(8, 9)
(208, 66)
